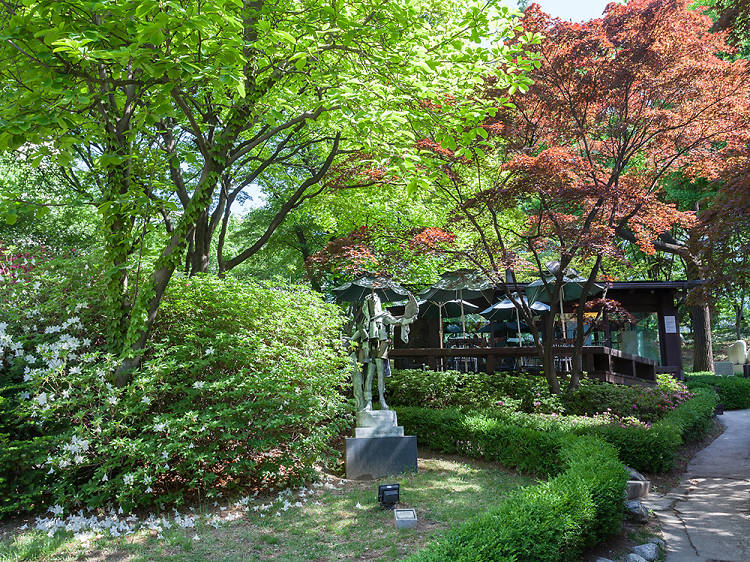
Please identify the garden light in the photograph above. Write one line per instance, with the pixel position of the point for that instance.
(388, 495)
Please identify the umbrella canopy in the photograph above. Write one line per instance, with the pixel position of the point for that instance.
(356, 290)
(506, 310)
(449, 309)
(572, 288)
(499, 327)
(453, 329)
(460, 284)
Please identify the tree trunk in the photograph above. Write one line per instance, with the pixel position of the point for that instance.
(117, 221)
(739, 315)
(548, 356)
(304, 248)
(700, 320)
(577, 360)
(149, 299)
(703, 354)
(201, 249)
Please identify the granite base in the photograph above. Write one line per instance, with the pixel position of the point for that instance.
(368, 458)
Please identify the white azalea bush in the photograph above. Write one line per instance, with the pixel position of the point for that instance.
(239, 390)
(43, 309)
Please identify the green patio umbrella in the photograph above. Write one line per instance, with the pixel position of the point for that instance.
(354, 291)
(448, 309)
(457, 286)
(460, 284)
(571, 289)
(505, 310)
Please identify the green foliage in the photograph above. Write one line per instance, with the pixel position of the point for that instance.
(513, 438)
(239, 389)
(580, 505)
(648, 404)
(734, 392)
(437, 389)
(530, 393)
(552, 521)
(115, 93)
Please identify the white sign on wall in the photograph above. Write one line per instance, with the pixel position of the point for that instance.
(670, 324)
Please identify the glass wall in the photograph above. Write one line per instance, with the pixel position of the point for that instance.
(641, 338)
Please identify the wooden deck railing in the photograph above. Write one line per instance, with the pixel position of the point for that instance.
(604, 363)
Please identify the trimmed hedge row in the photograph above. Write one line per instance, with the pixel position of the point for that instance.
(734, 392)
(555, 520)
(654, 449)
(583, 501)
(521, 440)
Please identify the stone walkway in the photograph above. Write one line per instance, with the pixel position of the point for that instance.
(707, 517)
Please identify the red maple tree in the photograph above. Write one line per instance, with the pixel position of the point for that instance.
(617, 104)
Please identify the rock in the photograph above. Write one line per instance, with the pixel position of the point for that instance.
(635, 475)
(603, 560)
(658, 542)
(737, 352)
(635, 558)
(658, 502)
(635, 511)
(723, 368)
(647, 551)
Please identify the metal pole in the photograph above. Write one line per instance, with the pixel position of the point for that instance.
(562, 318)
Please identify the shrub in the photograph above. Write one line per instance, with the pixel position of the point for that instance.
(42, 297)
(648, 404)
(497, 434)
(530, 393)
(238, 388)
(438, 389)
(734, 392)
(552, 521)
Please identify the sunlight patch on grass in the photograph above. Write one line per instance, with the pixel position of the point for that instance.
(333, 523)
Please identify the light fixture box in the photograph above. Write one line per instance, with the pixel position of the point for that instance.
(405, 518)
(388, 495)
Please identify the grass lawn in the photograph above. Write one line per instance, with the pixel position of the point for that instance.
(341, 520)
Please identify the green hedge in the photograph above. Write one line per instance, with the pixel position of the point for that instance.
(580, 505)
(552, 521)
(485, 435)
(520, 440)
(734, 392)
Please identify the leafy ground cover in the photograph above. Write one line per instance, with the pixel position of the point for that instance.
(337, 519)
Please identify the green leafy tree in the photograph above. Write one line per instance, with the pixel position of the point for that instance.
(153, 105)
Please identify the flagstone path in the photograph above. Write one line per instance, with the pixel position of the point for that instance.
(707, 517)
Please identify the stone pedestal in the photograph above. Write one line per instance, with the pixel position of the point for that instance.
(379, 447)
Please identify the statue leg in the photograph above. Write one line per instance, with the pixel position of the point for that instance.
(381, 383)
(359, 391)
(368, 385)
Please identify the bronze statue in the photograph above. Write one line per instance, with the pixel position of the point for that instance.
(370, 344)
